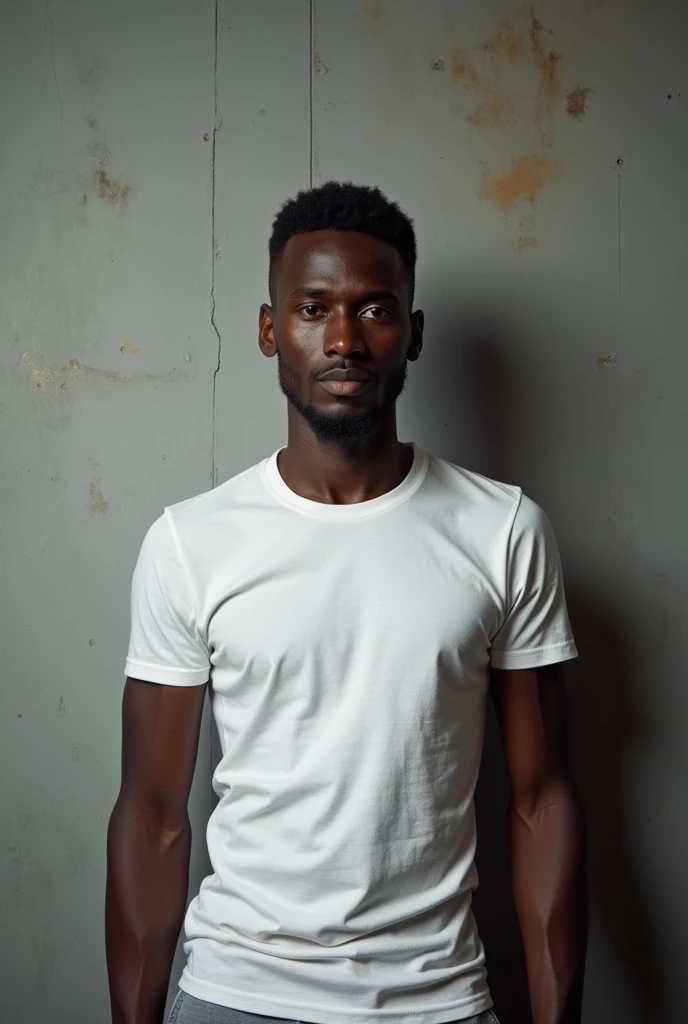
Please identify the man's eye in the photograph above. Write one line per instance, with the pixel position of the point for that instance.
(310, 310)
(376, 312)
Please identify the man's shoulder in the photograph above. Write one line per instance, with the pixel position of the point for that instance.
(474, 489)
(237, 491)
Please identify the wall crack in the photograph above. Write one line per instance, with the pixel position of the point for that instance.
(217, 124)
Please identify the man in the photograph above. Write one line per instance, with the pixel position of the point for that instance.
(350, 598)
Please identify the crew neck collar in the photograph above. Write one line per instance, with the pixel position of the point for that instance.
(346, 513)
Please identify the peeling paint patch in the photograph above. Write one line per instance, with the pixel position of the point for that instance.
(76, 377)
(61, 709)
(524, 181)
(129, 348)
(319, 65)
(603, 361)
(97, 505)
(525, 243)
(577, 102)
(438, 65)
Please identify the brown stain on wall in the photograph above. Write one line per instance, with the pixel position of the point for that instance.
(90, 76)
(76, 377)
(577, 102)
(374, 12)
(129, 348)
(524, 181)
(495, 107)
(546, 61)
(97, 504)
(526, 243)
(113, 192)
(603, 361)
(486, 70)
(506, 44)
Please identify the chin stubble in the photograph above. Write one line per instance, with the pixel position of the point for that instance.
(356, 425)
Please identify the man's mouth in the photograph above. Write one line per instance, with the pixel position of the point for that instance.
(345, 382)
(344, 387)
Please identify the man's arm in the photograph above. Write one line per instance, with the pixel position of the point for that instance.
(546, 827)
(148, 845)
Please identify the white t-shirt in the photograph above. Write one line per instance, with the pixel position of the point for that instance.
(348, 648)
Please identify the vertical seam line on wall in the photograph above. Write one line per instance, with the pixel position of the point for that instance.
(311, 57)
(213, 241)
(618, 214)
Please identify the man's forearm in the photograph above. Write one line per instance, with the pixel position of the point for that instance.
(147, 881)
(547, 867)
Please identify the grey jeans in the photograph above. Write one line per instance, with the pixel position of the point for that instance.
(187, 1009)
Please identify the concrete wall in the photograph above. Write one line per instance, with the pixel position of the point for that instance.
(144, 150)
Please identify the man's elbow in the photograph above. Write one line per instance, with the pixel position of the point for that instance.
(136, 817)
(552, 794)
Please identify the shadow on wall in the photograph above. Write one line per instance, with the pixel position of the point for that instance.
(475, 378)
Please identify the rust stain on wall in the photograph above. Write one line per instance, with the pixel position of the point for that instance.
(525, 243)
(577, 102)
(97, 505)
(524, 181)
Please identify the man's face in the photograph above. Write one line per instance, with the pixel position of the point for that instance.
(342, 330)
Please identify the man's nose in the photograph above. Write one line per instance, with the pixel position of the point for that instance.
(344, 336)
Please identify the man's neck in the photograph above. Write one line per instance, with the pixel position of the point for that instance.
(336, 474)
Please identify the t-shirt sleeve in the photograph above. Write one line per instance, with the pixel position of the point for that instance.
(536, 629)
(165, 645)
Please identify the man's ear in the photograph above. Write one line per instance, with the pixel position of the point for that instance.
(417, 325)
(266, 331)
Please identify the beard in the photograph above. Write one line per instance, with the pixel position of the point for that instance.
(342, 427)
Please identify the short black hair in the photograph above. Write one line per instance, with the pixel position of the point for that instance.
(343, 206)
